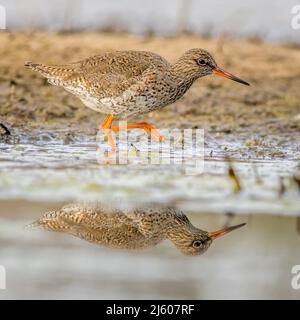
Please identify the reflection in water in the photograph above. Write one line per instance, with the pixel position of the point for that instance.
(130, 229)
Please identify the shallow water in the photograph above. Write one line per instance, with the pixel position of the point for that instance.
(253, 262)
(41, 170)
(53, 166)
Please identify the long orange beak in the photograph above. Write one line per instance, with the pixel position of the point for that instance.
(222, 232)
(222, 73)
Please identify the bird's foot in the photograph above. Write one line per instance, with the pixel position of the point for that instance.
(150, 129)
(106, 127)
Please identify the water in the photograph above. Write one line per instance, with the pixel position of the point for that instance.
(43, 170)
(268, 19)
(254, 262)
(42, 166)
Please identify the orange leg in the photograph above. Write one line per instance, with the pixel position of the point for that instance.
(143, 125)
(105, 128)
(106, 123)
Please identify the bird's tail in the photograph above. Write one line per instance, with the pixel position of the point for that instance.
(50, 72)
(57, 221)
(49, 221)
(41, 68)
(32, 225)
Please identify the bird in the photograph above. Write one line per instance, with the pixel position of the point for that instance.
(134, 228)
(123, 84)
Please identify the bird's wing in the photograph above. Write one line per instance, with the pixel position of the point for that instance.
(94, 223)
(104, 75)
(88, 215)
(126, 63)
(102, 85)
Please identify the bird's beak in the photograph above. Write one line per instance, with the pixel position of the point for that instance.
(216, 234)
(222, 73)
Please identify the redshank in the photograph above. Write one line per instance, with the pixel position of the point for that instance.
(123, 84)
(130, 229)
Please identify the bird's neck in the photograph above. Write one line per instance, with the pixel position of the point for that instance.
(178, 227)
(183, 74)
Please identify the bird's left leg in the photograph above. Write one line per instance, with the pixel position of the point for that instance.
(105, 127)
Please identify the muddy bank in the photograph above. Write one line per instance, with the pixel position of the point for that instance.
(47, 265)
(270, 105)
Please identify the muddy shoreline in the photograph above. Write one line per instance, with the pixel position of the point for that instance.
(270, 105)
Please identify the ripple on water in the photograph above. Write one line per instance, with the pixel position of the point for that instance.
(43, 167)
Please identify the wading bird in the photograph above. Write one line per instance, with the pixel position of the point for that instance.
(123, 84)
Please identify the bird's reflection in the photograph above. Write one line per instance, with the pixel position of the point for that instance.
(130, 228)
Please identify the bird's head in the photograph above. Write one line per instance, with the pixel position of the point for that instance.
(193, 241)
(199, 63)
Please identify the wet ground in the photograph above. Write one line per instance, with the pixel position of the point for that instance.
(57, 166)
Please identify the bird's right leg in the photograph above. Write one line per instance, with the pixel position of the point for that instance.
(105, 127)
(150, 129)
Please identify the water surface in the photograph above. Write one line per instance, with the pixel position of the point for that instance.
(254, 262)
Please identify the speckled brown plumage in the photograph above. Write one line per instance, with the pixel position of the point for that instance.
(123, 84)
(129, 229)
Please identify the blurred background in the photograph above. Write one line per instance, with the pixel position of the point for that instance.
(266, 19)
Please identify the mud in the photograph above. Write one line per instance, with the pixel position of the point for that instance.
(270, 105)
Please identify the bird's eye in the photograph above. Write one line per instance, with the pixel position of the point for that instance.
(201, 61)
(197, 244)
